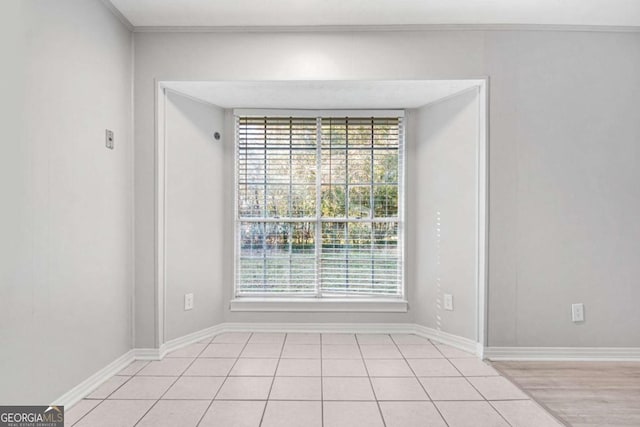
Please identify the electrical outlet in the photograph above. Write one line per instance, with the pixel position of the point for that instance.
(448, 302)
(188, 302)
(577, 312)
(108, 136)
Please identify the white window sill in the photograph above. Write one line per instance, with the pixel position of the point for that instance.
(319, 305)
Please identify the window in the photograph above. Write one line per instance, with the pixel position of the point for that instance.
(319, 206)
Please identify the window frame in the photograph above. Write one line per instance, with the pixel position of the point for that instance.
(319, 302)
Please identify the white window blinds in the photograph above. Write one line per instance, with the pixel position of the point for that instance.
(319, 205)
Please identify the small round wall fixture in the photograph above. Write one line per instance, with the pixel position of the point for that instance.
(216, 136)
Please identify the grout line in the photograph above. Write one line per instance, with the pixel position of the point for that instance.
(273, 379)
(225, 378)
(484, 399)
(529, 395)
(117, 388)
(172, 384)
(370, 381)
(418, 378)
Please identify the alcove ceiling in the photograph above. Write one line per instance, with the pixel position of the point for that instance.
(281, 13)
(322, 94)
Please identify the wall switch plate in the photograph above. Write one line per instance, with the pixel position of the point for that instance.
(577, 312)
(188, 302)
(108, 139)
(448, 302)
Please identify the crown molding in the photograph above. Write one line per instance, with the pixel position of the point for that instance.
(381, 28)
(116, 12)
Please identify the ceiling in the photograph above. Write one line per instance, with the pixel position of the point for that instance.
(322, 95)
(281, 13)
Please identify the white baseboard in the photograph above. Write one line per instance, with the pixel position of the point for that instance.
(353, 328)
(461, 343)
(87, 386)
(148, 353)
(611, 354)
(191, 338)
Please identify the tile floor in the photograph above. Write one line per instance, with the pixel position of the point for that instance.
(323, 380)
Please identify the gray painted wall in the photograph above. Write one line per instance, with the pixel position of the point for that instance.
(195, 251)
(442, 193)
(564, 129)
(66, 223)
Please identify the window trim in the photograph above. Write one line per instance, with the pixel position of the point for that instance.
(316, 303)
(325, 304)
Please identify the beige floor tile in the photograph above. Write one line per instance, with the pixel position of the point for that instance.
(388, 368)
(172, 413)
(497, 388)
(143, 388)
(454, 353)
(338, 339)
(341, 351)
(299, 368)
(420, 351)
(352, 414)
(470, 414)
(232, 338)
(267, 338)
(302, 338)
(192, 350)
(233, 414)
(525, 413)
(210, 367)
(411, 414)
(443, 388)
(116, 413)
(133, 368)
(169, 367)
(380, 351)
(224, 350)
(433, 368)
(374, 339)
(245, 388)
(343, 368)
(292, 414)
(301, 351)
(347, 388)
(409, 339)
(108, 387)
(472, 367)
(254, 368)
(262, 350)
(194, 388)
(405, 389)
(78, 411)
(296, 388)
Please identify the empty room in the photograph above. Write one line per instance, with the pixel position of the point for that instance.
(320, 213)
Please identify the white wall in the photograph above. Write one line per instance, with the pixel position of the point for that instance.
(443, 190)
(66, 220)
(194, 245)
(564, 129)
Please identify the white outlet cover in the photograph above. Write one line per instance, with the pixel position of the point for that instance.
(448, 302)
(188, 301)
(577, 312)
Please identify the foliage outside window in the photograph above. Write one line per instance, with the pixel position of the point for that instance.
(319, 205)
